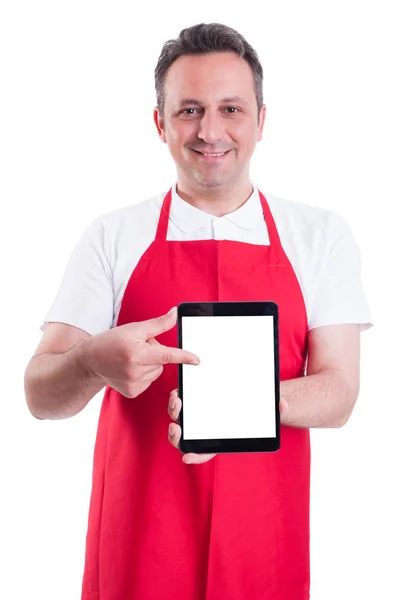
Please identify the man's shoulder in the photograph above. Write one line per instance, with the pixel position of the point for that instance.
(303, 217)
(143, 212)
(293, 208)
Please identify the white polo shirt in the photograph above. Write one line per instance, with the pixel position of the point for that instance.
(318, 243)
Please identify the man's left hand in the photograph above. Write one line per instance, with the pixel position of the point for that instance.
(175, 430)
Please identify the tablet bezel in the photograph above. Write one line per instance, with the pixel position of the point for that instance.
(226, 446)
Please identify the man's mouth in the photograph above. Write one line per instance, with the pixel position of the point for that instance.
(211, 155)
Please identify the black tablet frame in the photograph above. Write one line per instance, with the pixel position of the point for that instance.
(206, 446)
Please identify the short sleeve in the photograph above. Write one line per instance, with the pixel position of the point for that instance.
(85, 295)
(339, 295)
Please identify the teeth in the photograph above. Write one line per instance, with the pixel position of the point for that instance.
(222, 154)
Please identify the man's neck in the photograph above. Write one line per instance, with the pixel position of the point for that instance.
(217, 202)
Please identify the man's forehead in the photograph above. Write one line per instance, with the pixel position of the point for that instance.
(215, 69)
(213, 78)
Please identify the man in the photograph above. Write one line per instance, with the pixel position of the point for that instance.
(237, 526)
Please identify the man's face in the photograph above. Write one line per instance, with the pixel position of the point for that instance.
(210, 108)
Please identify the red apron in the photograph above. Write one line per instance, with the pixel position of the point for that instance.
(234, 528)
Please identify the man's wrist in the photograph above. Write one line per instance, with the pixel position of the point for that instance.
(83, 350)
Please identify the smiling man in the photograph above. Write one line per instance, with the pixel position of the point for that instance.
(211, 120)
(163, 526)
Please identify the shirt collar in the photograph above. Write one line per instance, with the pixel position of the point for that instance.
(188, 218)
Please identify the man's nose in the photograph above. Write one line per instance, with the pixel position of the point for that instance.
(211, 129)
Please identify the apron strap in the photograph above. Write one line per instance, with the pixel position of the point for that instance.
(161, 232)
(273, 235)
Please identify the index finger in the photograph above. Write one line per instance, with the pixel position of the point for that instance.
(162, 355)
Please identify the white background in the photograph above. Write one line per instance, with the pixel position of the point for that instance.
(77, 140)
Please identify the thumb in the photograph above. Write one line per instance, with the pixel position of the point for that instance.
(283, 406)
(158, 325)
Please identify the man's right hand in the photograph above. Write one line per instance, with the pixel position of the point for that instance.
(129, 358)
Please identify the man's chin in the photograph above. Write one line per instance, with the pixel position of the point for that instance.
(212, 181)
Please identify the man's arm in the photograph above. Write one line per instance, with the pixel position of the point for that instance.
(327, 395)
(70, 366)
(57, 383)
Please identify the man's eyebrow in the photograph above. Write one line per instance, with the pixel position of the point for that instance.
(228, 99)
(188, 101)
(233, 99)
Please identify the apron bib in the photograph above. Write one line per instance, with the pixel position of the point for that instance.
(234, 528)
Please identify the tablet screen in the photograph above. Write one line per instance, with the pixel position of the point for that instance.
(231, 393)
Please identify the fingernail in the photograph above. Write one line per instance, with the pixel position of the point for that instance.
(172, 405)
(171, 430)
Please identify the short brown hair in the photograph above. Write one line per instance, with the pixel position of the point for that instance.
(206, 38)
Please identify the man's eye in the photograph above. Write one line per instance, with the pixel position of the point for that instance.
(232, 109)
(188, 111)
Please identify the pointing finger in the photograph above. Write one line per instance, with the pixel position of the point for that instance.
(158, 325)
(161, 355)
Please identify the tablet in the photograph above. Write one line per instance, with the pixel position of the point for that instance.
(230, 401)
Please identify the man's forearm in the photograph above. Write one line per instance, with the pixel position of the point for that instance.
(321, 400)
(58, 386)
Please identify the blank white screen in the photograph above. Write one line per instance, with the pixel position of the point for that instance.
(231, 394)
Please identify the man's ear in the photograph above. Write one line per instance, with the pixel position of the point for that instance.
(159, 124)
(261, 121)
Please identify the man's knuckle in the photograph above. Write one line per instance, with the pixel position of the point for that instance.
(165, 357)
(135, 369)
